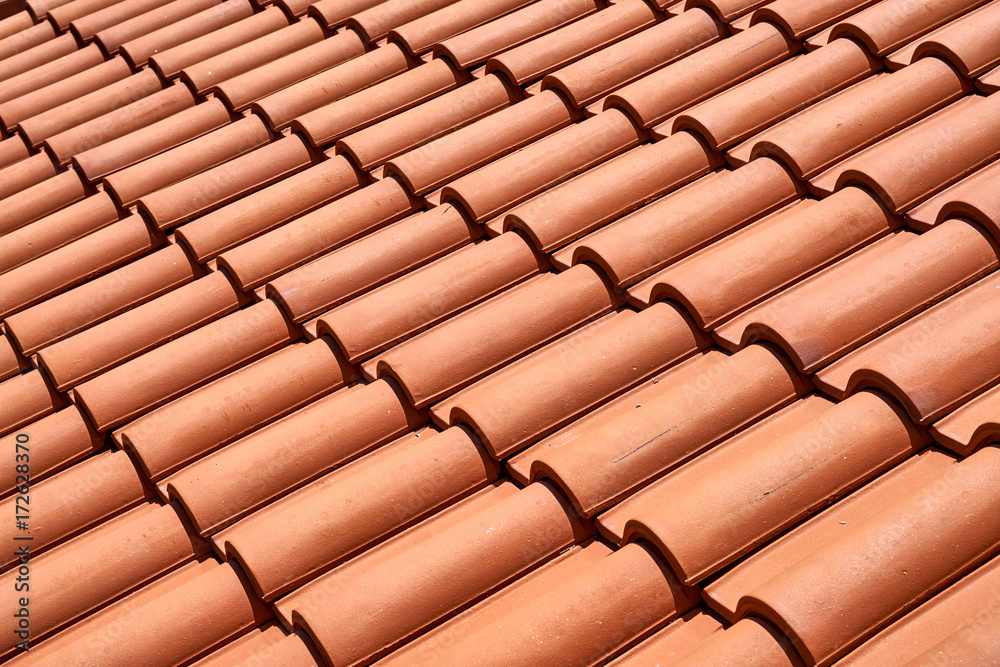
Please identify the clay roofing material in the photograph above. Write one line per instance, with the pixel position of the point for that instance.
(501, 332)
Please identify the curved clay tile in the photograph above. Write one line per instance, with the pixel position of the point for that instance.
(366, 107)
(100, 565)
(941, 627)
(889, 24)
(368, 606)
(990, 82)
(255, 262)
(945, 362)
(16, 23)
(844, 306)
(233, 406)
(975, 197)
(111, 38)
(44, 75)
(938, 150)
(12, 150)
(394, 136)
(455, 154)
(594, 198)
(95, 350)
(108, 15)
(170, 370)
(57, 441)
(752, 642)
(549, 52)
(74, 263)
(151, 140)
(38, 56)
(11, 362)
(671, 644)
(370, 261)
(181, 621)
(461, 350)
(715, 68)
(292, 540)
(334, 13)
(636, 246)
(177, 164)
(776, 473)
(268, 643)
(531, 398)
(273, 45)
(24, 40)
(187, 199)
(420, 35)
(119, 122)
(213, 233)
(374, 23)
(76, 499)
(26, 398)
(169, 62)
(736, 113)
(114, 292)
(725, 278)
(616, 597)
(282, 100)
(971, 426)
(23, 174)
(593, 77)
(625, 444)
(420, 299)
(475, 47)
(510, 180)
(40, 200)
(899, 555)
(214, 17)
(832, 129)
(88, 107)
(969, 43)
(726, 10)
(64, 14)
(801, 19)
(232, 482)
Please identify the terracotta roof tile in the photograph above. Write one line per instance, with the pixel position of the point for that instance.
(375, 259)
(24, 40)
(989, 82)
(972, 425)
(528, 399)
(941, 627)
(545, 54)
(266, 643)
(106, 295)
(169, 61)
(12, 149)
(11, 363)
(628, 442)
(313, 440)
(295, 538)
(421, 34)
(183, 364)
(205, 73)
(407, 130)
(63, 67)
(63, 15)
(26, 398)
(597, 75)
(969, 43)
(833, 129)
(222, 229)
(295, 243)
(623, 595)
(63, 438)
(889, 24)
(328, 123)
(25, 173)
(837, 447)
(109, 15)
(40, 200)
(802, 19)
(12, 25)
(38, 56)
(681, 637)
(476, 46)
(974, 197)
(371, 604)
(683, 221)
(937, 344)
(751, 641)
(74, 263)
(374, 21)
(723, 279)
(211, 18)
(151, 140)
(113, 37)
(726, 10)
(944, 147)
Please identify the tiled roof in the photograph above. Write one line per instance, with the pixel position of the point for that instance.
(500, 332)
